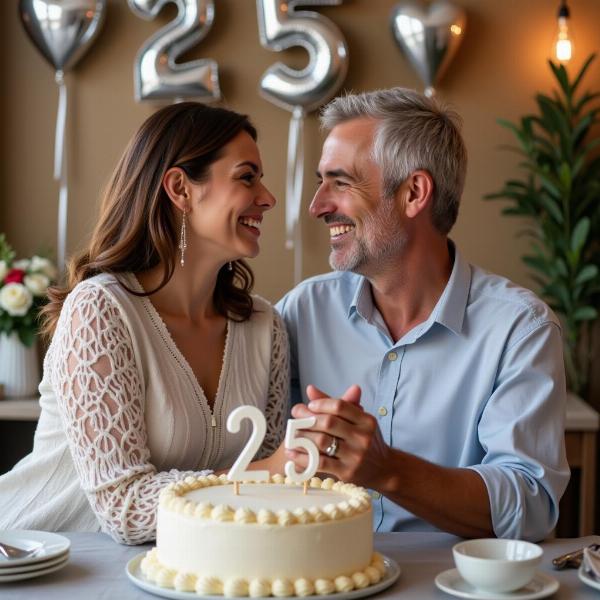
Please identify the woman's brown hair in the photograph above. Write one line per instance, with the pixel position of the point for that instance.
(137, 226)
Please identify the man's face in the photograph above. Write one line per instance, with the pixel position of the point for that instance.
(366, 230)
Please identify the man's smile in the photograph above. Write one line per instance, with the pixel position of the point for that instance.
(336, 232)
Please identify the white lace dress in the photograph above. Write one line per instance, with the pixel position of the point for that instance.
(123, 414)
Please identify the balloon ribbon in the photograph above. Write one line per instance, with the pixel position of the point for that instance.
(293, 189)
(60, 168)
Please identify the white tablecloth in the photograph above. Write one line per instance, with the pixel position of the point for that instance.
(96, 570)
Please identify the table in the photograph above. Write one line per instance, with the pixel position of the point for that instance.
(96, 570)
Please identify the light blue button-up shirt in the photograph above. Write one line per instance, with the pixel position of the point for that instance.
(480, 384)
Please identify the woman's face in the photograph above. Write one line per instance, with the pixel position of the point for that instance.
(226, 211)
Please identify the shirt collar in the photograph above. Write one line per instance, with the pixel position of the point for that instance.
(362, 300)
(450, 308)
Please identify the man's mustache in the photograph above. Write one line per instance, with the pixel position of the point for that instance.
(335, 218)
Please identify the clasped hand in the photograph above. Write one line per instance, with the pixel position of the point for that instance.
(361, 454)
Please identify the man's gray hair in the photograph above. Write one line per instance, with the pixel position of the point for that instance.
(414, 132)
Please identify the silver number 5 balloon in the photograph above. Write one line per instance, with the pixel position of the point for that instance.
(280, 27)
(156, 74)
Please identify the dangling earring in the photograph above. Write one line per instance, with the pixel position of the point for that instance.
(182, 240)
(229, 266)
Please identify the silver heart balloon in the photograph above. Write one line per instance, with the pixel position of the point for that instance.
(429, 36)
(62, 30)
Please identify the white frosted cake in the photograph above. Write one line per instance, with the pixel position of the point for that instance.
(270, 540)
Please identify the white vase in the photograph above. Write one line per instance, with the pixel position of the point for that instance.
(19, 367)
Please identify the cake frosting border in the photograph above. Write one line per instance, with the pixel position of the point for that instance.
(172, 498)
(203, 585)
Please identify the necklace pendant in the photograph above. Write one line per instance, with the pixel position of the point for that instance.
(213, 421)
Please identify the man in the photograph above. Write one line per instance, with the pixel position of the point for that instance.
(457, 419)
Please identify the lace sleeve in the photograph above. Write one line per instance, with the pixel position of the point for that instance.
(279, 389)
(100, 397)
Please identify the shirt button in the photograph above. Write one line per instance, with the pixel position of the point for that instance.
(392, 356)
(376, 495)
(382, 410)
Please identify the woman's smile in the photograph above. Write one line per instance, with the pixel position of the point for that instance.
(251, 224)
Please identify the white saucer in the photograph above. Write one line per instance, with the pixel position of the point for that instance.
(540, 586)
(48, 545)
(137, 577)
(588, 579)
(44, 570)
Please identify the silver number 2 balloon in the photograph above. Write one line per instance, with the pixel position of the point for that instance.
(281, 26)
(156, 74)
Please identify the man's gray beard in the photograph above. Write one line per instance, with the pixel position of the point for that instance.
(387, 241)
(351, 261)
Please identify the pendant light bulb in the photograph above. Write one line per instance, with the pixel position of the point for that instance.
(563, 42)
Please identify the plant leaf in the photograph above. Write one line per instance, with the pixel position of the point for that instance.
(586, 274)
(564, 172)
(587, 97)
(579, 235)
(552, 207)
(582, 127)
(27, 336)
(561, 75)
(585, 313)
(561, 267)
(538, 263)
(521, 136)
(561, 293)
(582, 71)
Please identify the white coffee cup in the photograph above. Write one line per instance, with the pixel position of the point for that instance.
(494, 565)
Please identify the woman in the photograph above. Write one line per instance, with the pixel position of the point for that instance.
(156, 338)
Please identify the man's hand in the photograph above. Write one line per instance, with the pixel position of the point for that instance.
(452, 499)
(361, 455)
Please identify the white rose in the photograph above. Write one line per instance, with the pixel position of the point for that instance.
(3, 269)
(37, 283)
(22, 264)
(15, 299)
(43, 265)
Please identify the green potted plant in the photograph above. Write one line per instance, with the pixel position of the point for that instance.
(559, 195)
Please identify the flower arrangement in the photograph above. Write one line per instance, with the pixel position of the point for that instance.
(23, 286)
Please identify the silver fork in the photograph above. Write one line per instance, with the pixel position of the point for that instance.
(11, 552)
(572, 559)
